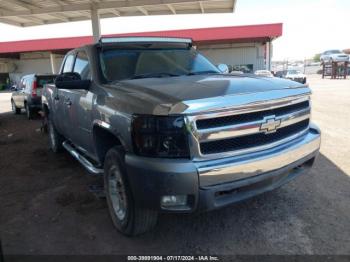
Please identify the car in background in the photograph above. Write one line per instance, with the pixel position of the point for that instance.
(265, 73)
(27, 95)
(292, 74)
(333, 56)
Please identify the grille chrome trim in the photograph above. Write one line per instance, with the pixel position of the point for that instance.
(222, 171)
(252, 149)
(252, 141)
(198, 136)
(248, 128)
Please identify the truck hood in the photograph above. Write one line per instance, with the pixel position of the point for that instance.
(173, 95)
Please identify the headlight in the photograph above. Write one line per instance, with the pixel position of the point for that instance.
(160, 136)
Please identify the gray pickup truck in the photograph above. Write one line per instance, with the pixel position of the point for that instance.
(171, 133)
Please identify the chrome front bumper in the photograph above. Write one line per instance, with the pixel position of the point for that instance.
(213, 184)
(236, 168)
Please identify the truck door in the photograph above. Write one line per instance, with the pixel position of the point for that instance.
(61, 102)
(80, 110)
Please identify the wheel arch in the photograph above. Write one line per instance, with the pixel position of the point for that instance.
(104, 138)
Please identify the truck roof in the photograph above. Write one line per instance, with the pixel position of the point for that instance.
(139, 42)
(145, 42)
(142, 39)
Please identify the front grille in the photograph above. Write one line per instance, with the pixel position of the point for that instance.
(249, 141)
(249, 117)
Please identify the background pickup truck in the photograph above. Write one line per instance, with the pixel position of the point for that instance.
(171, 133)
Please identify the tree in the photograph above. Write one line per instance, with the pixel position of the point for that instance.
(317, 58)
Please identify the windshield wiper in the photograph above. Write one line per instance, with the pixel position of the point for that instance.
(203, 72)
(150, 75)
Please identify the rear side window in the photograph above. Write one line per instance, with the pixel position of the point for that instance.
(81, 65)
(68, 64)
(43, 80)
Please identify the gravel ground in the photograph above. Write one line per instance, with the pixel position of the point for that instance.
(45, 207)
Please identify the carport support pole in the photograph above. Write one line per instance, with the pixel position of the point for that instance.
(268, 55)
(95, 22)
(53, 63)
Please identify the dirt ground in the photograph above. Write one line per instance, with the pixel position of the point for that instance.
(46, 208)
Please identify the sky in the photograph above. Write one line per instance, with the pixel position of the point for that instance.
(309, 26)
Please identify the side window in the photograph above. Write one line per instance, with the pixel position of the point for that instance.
(81, 65)
(68, 64)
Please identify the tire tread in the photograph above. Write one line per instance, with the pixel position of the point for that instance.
(141, 220)
(144, 220)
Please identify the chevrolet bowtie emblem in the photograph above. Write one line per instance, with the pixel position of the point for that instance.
(270, 124)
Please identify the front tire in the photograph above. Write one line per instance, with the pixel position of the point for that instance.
(129, 219)
(55, 138)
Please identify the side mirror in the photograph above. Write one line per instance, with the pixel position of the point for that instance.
(71, 81)
(223, 68)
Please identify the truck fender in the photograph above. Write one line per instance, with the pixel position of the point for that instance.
(103, 126)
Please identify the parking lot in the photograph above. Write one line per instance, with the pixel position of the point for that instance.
(46, 208)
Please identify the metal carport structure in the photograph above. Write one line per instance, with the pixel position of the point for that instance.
(39, 12)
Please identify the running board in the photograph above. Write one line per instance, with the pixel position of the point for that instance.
(86, 163)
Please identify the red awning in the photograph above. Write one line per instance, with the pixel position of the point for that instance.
(230, 34)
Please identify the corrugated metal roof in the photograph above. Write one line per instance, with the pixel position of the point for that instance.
(199, 35)
(38, 12)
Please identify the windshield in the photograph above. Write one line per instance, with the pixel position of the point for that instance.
(117, 64)
(335, 52)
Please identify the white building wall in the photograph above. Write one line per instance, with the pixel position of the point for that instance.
(236, 55)
(33, 63)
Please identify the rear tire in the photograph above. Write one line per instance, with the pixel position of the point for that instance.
(15, 109)
(55, 138)
(29, 112)
(129, 219)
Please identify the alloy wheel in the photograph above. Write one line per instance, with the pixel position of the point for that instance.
(117, 193)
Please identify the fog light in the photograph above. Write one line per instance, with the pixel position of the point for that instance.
(173, 201)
